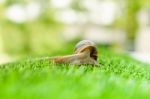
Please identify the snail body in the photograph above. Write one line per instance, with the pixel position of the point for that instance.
(85, 53)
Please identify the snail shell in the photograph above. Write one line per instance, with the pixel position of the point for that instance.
(87, 45)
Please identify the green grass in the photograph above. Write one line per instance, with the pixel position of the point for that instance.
(118, 77)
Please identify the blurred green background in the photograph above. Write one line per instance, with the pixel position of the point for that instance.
(44, 27)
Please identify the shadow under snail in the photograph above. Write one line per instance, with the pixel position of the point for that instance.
(85, 53)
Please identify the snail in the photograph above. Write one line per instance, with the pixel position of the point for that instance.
(85, 52)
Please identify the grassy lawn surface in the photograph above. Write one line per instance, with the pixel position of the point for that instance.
(117, 77)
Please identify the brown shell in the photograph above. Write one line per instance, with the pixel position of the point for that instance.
(87, 44)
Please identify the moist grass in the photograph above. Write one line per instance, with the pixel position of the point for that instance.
(117, 77)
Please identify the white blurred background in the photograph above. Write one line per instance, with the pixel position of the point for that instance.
(33, 26)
